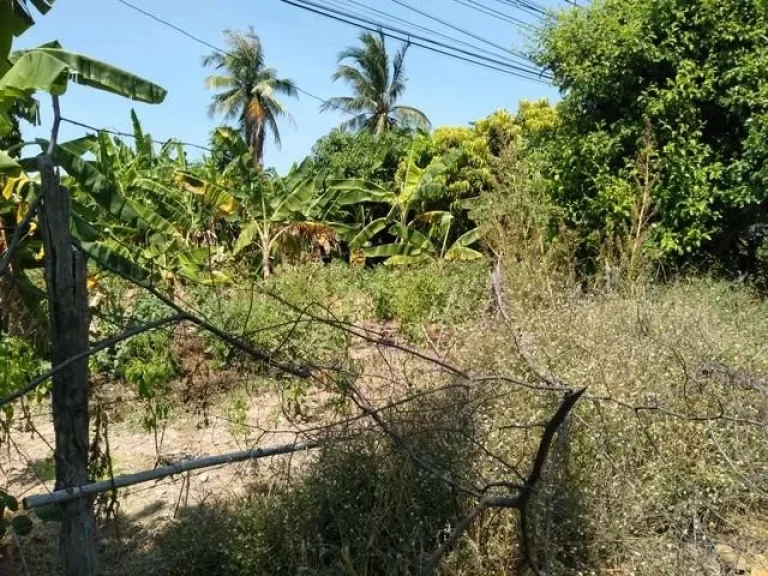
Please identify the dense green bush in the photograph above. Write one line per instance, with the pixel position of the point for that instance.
(361, 155)
(694, 74)
(439, 294)
(19, 363)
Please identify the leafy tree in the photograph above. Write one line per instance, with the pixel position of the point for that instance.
(248, 89)
(377, 84)
(474, 147)
(144, 206)
(361, 155)
(271, 216)
(48, 68)
(696, 73)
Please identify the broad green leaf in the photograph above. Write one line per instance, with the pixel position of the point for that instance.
(5, 124)
(9, 166)
(413, 237)
(149, 219)
(439, 217)
(15, 19)
(167, 197)
(143, 142)
(412, 178)
(297, 202)
(81, 227)
(102, 76)
(462, 253)
(43, 6)
(103, 191)
(81, 146)
(33, 71)
(247, 235)
(365, 235)
(344, 231)
(114, 257)
(408, 260)
(468, 238)
(429, 191)
(357, 191)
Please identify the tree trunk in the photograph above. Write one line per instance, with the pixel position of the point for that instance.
(266, 264)
(258, 148)
(69, 319)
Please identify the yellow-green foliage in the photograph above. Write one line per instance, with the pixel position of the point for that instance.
(536, 118)
(472, 174)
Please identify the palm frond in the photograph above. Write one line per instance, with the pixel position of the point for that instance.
(410, 116)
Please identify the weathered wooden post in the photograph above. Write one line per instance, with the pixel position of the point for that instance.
(69, 319)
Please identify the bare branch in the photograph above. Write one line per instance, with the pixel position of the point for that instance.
(520, 501)
(304, 372)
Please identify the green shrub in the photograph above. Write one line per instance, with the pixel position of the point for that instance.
(695, 73)
(19, 363)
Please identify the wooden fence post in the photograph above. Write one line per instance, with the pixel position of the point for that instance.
(69, 320)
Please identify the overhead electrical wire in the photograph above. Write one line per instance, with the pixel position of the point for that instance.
(460, 30)
(219, 50)
(129, 135)
(497, 14)
(399, 20)
(529, 6)
(518, 70)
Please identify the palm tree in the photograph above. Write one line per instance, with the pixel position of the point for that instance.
(377, 85)
(248, 89)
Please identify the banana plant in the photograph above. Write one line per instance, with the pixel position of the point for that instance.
(415, 247)
(50, 69)
(417, 186)
(163, 220)
(286, 213)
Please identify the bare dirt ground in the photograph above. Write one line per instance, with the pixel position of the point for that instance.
(215, 411)
(26, 468)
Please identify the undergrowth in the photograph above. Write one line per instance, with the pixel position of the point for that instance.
(362, 508)
(658, 465)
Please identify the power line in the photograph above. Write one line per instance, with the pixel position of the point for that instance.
(130, 135)
(520, 71)
(169, 24)
(528, 5)
(406, 36)
(399, 20)
(215, 49)
(493, 13)
(459, 29)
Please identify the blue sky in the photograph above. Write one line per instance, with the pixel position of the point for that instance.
(302, 46)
